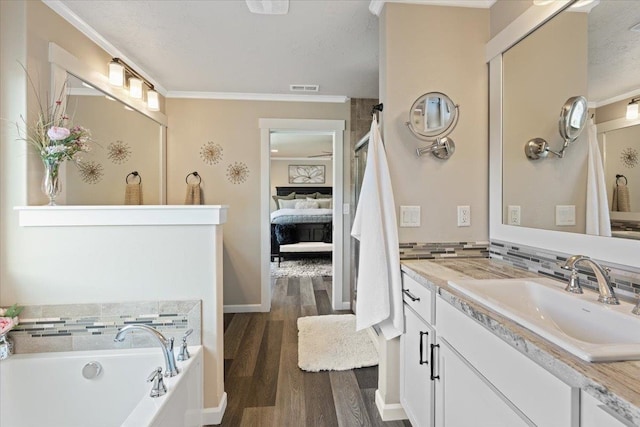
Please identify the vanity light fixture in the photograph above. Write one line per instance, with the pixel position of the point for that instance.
(153, 101)
(632, 109)
(119, 72)
(116, 73)
(135, 88)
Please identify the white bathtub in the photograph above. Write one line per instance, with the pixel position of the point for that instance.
(48, 389)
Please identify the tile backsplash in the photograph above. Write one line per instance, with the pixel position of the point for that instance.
(69, 327)
(625, 279)
(444, 250)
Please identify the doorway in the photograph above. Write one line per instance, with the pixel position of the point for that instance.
(334, 130)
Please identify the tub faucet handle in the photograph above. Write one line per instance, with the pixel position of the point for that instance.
(184, 352)
(157, 388)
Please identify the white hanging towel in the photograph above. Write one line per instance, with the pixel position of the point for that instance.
(598, 219)
(379, 286)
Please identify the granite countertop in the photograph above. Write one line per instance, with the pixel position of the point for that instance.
(615, 384)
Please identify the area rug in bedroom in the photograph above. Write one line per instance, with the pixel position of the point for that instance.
(331, 343)
(302, 268)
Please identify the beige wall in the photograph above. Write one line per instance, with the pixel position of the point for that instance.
(233, 125)
(438, 57)
(539, 76)
(503, 12)
(109, 122)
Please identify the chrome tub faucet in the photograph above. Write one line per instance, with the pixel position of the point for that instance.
(607, 294)
(166, 344)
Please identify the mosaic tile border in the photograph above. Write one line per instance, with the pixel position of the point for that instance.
(625, 279)
(625, 225)
(70, 327)
(444, 250)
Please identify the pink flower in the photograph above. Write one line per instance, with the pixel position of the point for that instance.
(58, 133)
(6, 324)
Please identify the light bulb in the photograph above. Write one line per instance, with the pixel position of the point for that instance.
(632, 111)
(153, 102)
(116, 74)
(135, 88)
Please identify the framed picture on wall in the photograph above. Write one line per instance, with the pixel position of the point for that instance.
(306, 174)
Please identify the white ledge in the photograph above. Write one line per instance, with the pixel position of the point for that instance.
(69, 216)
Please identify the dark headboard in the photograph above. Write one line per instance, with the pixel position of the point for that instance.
(283, 191)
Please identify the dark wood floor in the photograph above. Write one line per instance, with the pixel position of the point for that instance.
(264, 385)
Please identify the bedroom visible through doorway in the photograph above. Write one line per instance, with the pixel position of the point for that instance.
(302, 197)
(301, 211)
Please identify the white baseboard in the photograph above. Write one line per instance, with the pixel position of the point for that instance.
(389, 411)
(243, 308)
(346, 305)
(214, 415)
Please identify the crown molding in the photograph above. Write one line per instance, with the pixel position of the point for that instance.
(68, 15)
(376, 6)
(238, 96)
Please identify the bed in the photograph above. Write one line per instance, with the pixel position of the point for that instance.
(291, 226)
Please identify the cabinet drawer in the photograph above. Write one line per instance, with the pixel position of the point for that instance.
(419, 298)
(542, 397)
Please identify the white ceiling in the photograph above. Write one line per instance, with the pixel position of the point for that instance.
(219, 46)
(302, 145)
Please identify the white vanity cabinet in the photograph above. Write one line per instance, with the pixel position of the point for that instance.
(416, 347)
(593, 414)
(498, 385)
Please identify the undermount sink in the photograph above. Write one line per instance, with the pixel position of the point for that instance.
(590, 330)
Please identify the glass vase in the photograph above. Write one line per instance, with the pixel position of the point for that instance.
(6, 346)
(51, 185)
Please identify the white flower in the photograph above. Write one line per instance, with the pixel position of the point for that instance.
(56, 133)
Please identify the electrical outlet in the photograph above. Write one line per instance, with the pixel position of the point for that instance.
(513, 215)
(464, 216)
(409, 216)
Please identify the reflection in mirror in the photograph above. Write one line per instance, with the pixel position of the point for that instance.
(597, 56)
(573, 117)
(125, 140)
(432, 115)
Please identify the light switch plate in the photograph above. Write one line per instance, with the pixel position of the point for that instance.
(565, 215)
(409, 216)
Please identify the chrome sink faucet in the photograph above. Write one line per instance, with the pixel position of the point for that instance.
(166, 344)
(607, 294)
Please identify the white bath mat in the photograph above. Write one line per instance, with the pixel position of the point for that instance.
(331, 343)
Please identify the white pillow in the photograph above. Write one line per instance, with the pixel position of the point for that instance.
(323, 203)
(288, 204)
(307, 205)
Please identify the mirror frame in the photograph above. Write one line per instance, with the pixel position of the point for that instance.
(63, 62)
(607, 249)
(567, 112)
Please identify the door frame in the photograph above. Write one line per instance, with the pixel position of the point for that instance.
(335, 128)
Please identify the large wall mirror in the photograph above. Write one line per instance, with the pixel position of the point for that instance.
(590, 51)
(127, 137)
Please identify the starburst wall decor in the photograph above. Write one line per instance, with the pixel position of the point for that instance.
(629, 157)
(237, 172)
(90, 172)
(118, 152)
(211, 153)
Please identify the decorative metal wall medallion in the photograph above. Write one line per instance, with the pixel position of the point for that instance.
(211, 153)
(118, 152)
(237, 173)
(629, 157)
(90, 172)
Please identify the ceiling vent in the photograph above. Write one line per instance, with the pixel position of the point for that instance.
(304, 88)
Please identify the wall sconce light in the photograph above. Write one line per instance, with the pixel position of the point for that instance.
(153, 101)
(119, 71)
(116, 73)
(632, 109)
(135, 88)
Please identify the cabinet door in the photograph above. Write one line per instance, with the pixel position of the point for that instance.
(464, 398)
(592, 414)
(416, 387)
